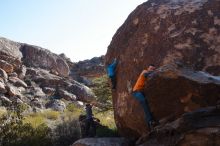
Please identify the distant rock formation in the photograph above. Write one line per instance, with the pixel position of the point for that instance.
(38, 57)
(32, 75)
(183, 36)
(90, 68)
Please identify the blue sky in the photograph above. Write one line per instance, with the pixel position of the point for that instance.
(81, 29)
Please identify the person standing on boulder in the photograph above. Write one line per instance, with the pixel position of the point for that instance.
(139, 95)
(89, 122)
(111, 70)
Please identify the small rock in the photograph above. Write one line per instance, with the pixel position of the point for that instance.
(49, 91)
(17, 82)
(57, 105)
(2, 88)
(5, 100)
(66, 95)
(12, 90)
(14, 74)
(36, 102)
(3, 74)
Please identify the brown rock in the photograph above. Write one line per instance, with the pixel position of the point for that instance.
(15, 62)
(162, 32)
(13, 91)
(199, 128)
(172, 92)
(6, 66)
(38, 57)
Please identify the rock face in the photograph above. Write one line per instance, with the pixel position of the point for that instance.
(198, 128)
(162, 32)
(39, 57)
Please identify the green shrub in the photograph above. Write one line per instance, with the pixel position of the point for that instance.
(34, 120)
(102, 90)
(104, 131)
(51, 115)
(14, 132)
(3, 111)
(73, 108)
(108, 128)
(66, 133)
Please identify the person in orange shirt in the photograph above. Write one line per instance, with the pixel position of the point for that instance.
(139, 95)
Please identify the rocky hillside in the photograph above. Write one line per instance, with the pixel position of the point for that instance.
(83, 71)
(36, 77)
(182, 38)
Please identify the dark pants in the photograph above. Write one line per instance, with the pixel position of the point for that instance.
(90, 128)
(144, 103)
(113, 80)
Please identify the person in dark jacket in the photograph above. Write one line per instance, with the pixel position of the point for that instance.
(143, 100)
(90, 130)
(111, 71)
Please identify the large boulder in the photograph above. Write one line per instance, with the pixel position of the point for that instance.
(162, 32)
(82, 92)
(172, 92)
(45, 79)
(34, 56)
(198, 128)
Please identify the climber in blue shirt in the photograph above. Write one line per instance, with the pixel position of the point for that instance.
(111, 68)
